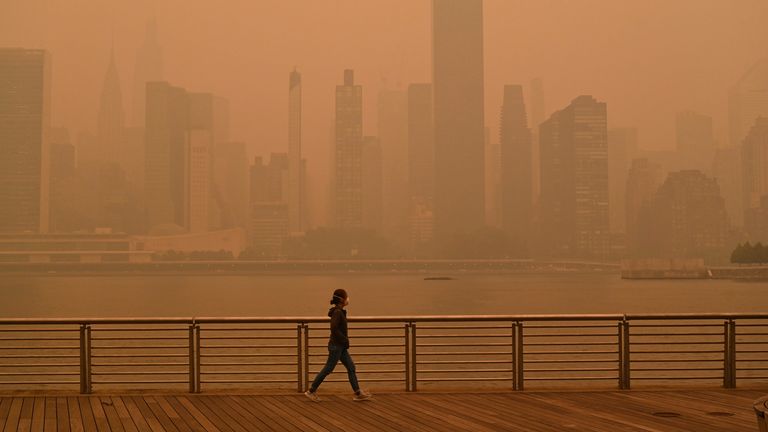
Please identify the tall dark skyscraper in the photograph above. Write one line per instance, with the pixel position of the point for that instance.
(574, 181)
(179, 157)
(149, 67)
(457, 67)
(24, 156)
(348, 170)
(166, 152)
(516, 161)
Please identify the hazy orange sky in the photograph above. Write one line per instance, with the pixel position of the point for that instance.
(647, 58)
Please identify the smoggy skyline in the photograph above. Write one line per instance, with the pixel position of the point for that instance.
(647, 60)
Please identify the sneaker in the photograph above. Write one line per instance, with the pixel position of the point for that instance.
(312, 396)
(362, 395)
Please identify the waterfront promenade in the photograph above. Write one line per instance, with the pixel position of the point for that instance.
(616, 372)
(692, 410)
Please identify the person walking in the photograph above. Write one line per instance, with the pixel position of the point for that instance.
(338, 349)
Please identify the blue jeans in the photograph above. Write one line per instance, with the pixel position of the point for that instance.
(336, 353)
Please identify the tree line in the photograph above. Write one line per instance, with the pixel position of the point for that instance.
(750, 254)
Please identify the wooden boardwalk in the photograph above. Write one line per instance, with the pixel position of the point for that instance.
(717, 410)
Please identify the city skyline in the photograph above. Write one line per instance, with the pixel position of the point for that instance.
(485, 172)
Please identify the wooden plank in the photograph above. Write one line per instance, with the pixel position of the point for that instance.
(86, 413)
(265, 414)
(102, 423)
(5, 407)
(138, 418)
(357, 416)
(123, 414)
(185, 415)
(213, 415)
(14, 413)
(50, 415)
(312, 410)
(25, 418)
(401, 406)
(197, 414)
(268, 418)
(295, 417)
(75, 418)
(38, 415)
(62, 415)
(238, 420)
(159, 414)
(175, 417)
(113, 419)
(146, 412)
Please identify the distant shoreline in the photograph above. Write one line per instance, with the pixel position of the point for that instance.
(432, 269)
(220, 268)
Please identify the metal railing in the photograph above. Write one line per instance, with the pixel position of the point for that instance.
(493, 351)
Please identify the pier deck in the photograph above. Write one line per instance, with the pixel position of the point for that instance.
(694, 410)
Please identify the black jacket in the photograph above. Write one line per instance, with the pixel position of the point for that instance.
(338, 327)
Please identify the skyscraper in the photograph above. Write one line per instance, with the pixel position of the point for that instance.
(574, 181)
(754, 157)
(457, 68)
(149, 67)
(348, 171)
(268, 206)
(748, 100)
(642, 182)
(179, 157)
(393, 137)
(538, 115)
(622, 149)
(295, 182)
(726, 169)
(686, 219)
(695, 140)
(232, 172)
(516, 161)
(111, 118)
(421, 162)
(166, 154)
(372, 184)
(24, 155)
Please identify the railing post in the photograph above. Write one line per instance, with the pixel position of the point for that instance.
(519, 358)
(624, 356)
(85, 358)
(620, 349)
(194, 358)
(299, 358)
(414, 374)
(306, 357)
(729, 354)
(407, 356)
(514, 355)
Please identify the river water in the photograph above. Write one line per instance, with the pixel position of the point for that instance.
(370, 294)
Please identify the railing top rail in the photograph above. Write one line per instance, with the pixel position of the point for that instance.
(383, 319)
